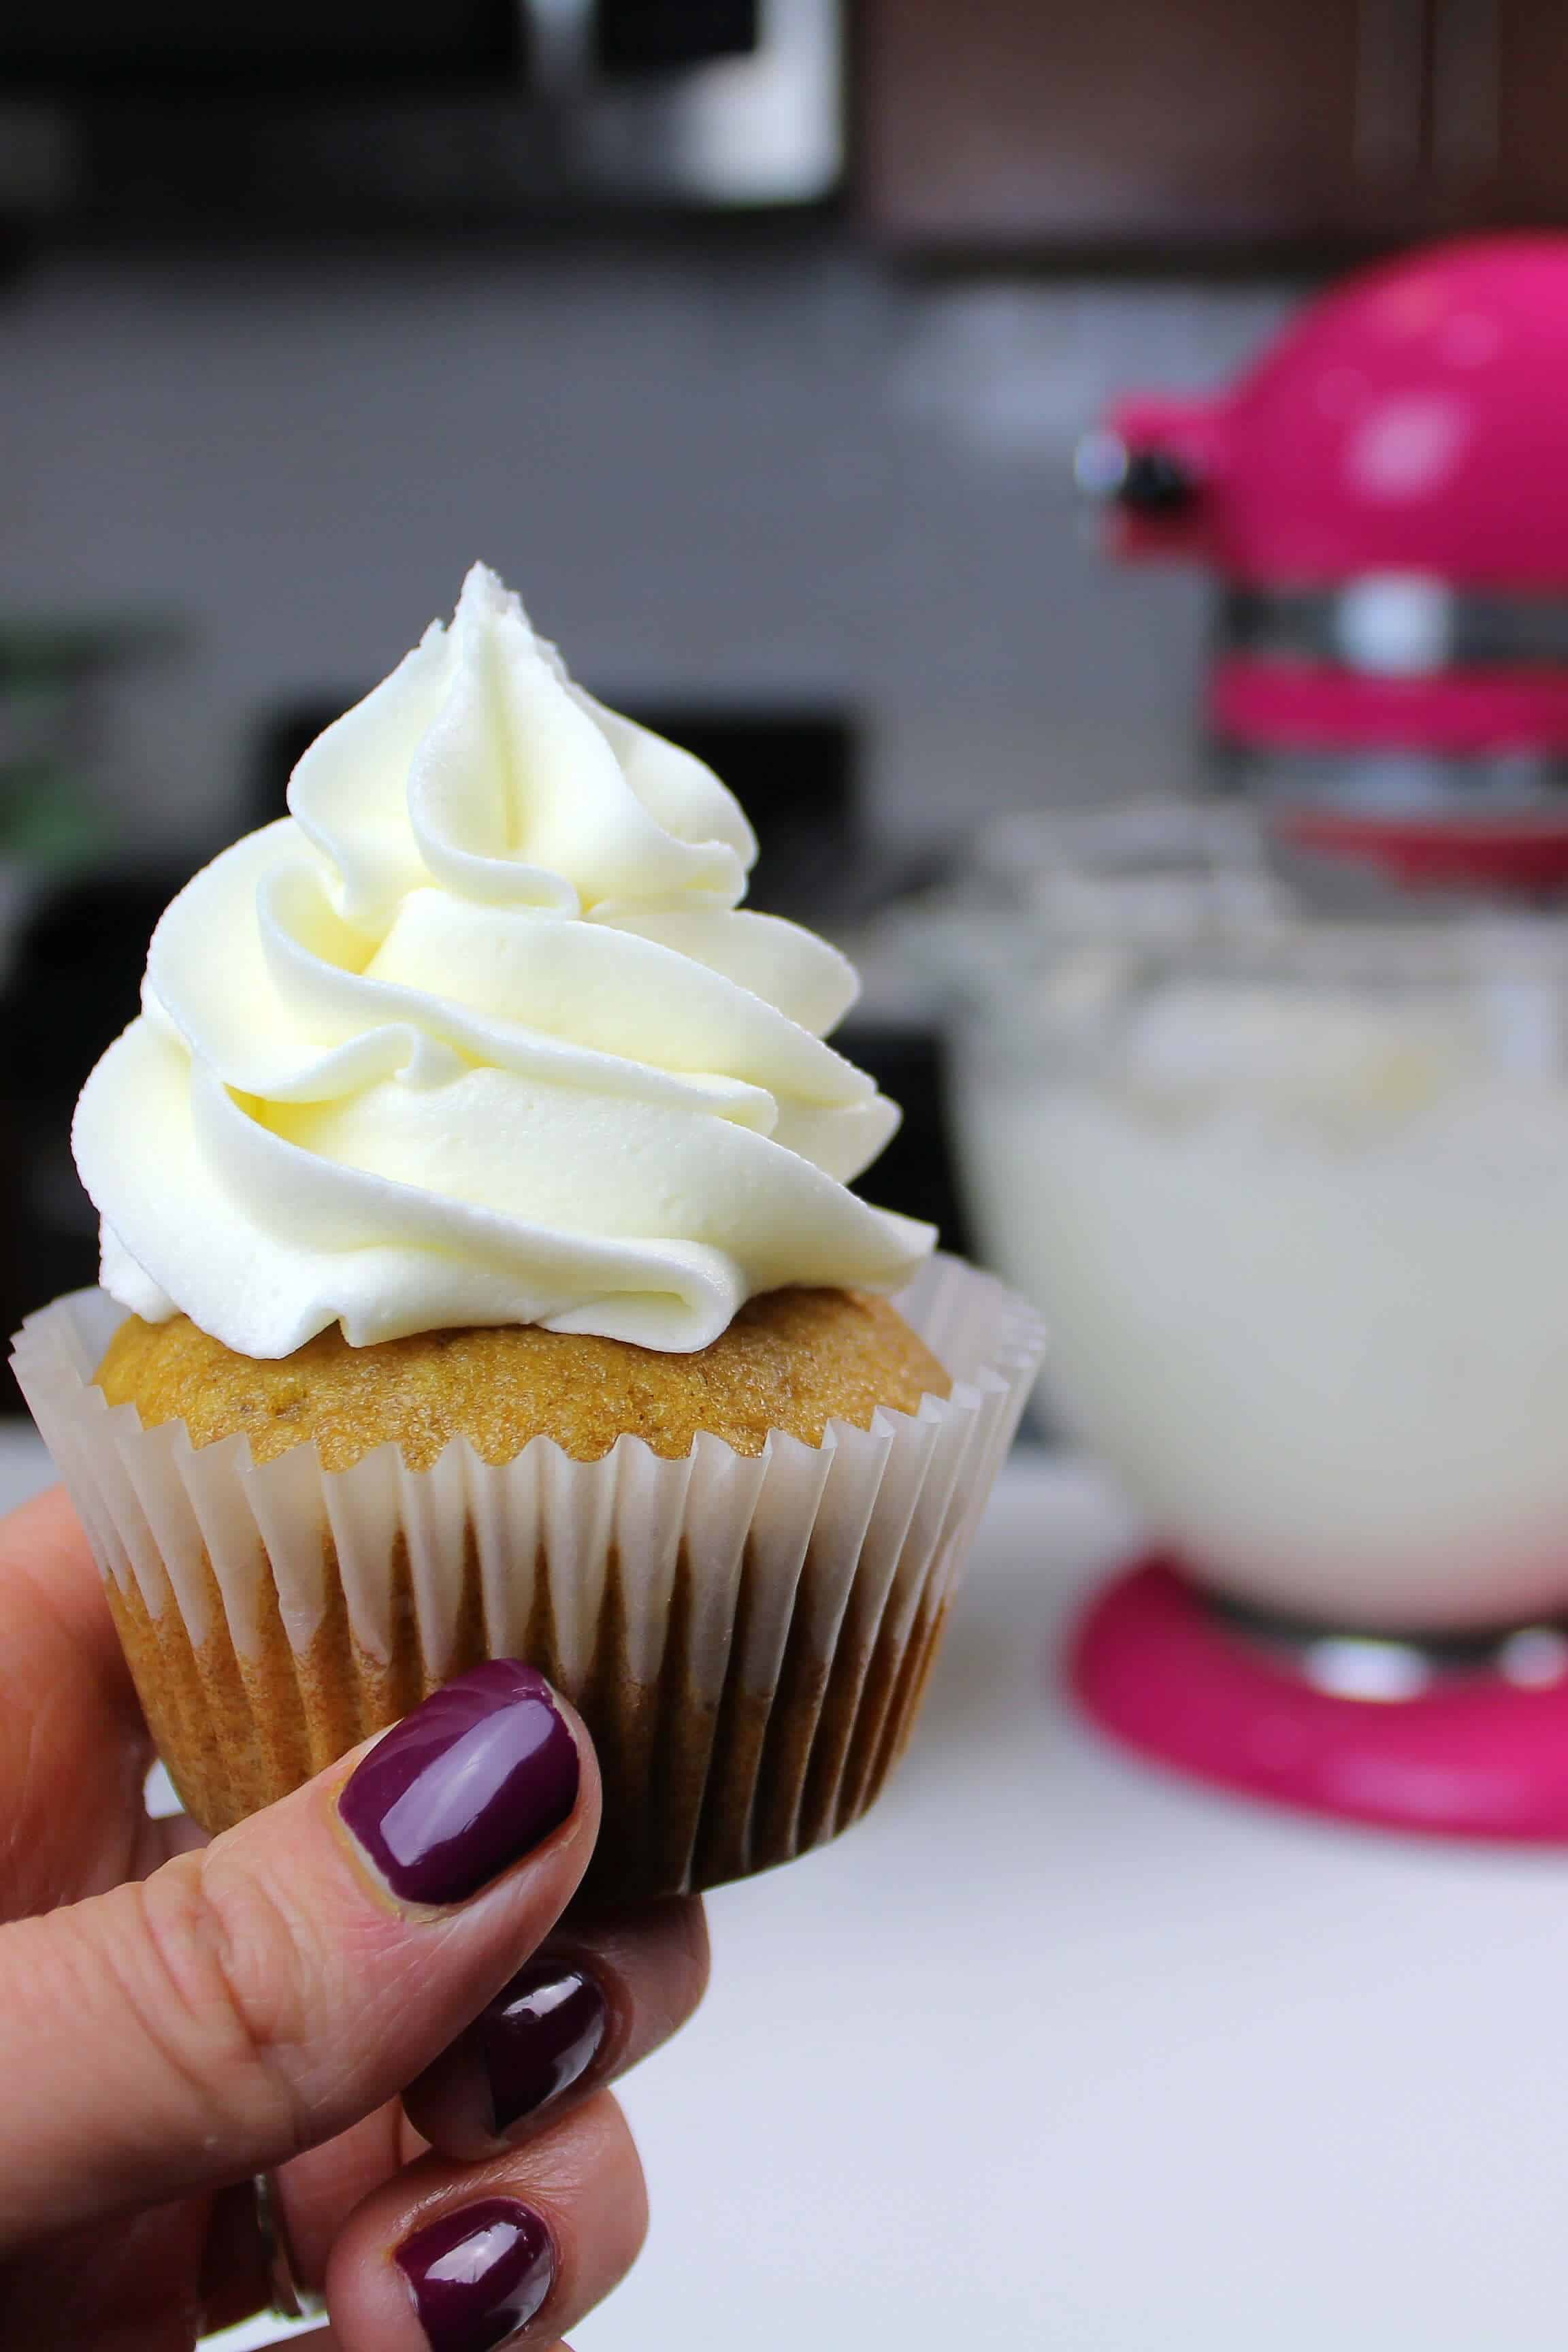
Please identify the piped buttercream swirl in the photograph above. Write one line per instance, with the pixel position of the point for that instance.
(480, 1034)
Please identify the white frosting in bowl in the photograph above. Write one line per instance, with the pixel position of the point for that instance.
(1304, 1257)
(479, 1035)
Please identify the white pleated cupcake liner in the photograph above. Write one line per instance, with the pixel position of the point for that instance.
(726, 1575)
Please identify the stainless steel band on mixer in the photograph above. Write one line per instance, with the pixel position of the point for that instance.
(1395, 625)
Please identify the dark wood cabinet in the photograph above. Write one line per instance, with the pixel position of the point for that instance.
(1498, 136)
(1152, 125)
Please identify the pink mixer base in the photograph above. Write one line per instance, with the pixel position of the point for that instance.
(1155, 1667)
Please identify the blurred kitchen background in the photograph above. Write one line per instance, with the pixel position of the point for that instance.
(751, 338)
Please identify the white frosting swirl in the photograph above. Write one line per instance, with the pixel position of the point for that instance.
(477, 1035)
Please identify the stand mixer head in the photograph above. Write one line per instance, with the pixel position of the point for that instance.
(1383, 500)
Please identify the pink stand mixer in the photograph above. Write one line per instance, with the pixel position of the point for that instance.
(1298, 1237)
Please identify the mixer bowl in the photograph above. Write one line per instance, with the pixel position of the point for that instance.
(1293, 1195)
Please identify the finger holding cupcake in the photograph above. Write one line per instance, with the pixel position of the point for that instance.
(498, 1408)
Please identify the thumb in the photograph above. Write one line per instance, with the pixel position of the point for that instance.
(252, 1999)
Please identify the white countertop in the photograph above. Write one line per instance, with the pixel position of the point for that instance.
(1053, 2051)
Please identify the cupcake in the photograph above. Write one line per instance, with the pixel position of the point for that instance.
(480, 1277)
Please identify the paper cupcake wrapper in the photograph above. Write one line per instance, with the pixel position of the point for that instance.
(747, 1637)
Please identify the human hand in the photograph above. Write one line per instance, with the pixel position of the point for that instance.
(178, 2016)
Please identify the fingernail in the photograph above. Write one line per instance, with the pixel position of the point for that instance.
(539, 2037)
(469, 1782)
(479, 2275)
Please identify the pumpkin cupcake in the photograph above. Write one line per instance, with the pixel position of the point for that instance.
(482, 1278)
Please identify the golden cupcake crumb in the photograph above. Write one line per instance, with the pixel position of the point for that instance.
(792, 1360)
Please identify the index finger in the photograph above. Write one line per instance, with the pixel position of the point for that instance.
(53, 1607)
(74, 1750)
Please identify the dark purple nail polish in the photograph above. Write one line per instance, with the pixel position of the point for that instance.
(472, 1781)
(479, 2275)
(539, 2037)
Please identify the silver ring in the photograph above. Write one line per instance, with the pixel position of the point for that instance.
(289, 2299)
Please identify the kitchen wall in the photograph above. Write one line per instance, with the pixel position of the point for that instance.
(766, 469)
